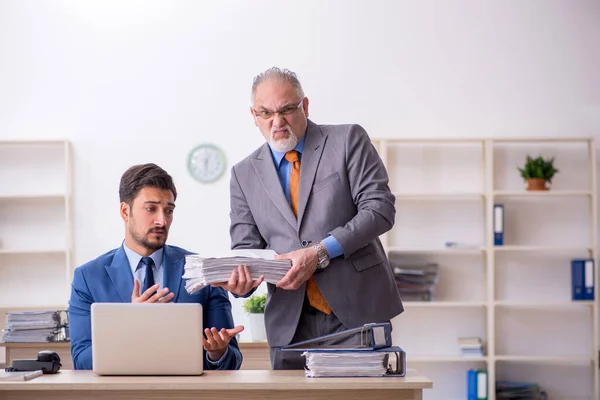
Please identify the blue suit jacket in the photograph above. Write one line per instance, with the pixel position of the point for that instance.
(108, 279)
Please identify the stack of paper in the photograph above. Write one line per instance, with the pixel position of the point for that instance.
(201, 271)
(471, 346)
(36, 327)
(415, 280)
(345, 363)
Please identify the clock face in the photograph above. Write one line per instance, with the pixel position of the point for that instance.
(206, 163)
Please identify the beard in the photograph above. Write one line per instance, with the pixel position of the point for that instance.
(286, 144)
(149, 242)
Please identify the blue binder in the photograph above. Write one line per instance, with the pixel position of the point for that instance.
(472, 384)
(577, 279)
(498, 224)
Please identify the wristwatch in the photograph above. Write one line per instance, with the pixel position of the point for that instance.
(323, 260)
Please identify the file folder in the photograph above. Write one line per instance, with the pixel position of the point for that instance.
(472, 384)
(577, 279)
(393, 362)
(373, 336)
(482, 382)
(588, 279)
(498, 224)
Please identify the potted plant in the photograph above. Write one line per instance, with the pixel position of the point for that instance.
(255, 307)
(538, 172)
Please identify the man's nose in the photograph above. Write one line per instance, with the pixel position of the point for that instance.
(160, 219)
(279, 121)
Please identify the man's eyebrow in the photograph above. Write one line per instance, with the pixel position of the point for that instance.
(158, 202)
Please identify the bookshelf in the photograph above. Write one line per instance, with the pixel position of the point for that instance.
(35, 224)
(516, 297)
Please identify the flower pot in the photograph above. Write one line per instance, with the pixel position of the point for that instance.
(536, 184)
(257, 327)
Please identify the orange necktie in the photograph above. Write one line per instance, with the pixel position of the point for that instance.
(315, 298)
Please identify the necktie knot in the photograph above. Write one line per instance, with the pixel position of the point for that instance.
(292, 156)
(148, 261)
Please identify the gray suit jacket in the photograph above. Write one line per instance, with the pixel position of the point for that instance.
(343, 192)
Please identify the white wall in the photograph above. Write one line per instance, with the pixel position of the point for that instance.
(137, 81)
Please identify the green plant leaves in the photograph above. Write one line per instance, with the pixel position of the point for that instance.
(255, 304)
(538, 168)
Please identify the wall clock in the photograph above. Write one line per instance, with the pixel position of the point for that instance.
(206, 163)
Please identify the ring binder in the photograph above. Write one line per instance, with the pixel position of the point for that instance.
(374, 356)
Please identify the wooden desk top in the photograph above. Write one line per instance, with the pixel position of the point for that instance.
(36, 345)
(213, 380)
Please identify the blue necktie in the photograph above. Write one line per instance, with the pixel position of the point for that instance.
(149, 280)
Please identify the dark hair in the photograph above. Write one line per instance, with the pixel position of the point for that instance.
(144, 175)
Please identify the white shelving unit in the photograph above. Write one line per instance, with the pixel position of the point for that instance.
(516, 297)
(35, 224)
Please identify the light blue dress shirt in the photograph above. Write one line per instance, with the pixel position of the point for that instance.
(284, 170)
(139, 270)
(139, 273)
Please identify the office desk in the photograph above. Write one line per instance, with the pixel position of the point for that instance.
(256, 354)
(246, 385)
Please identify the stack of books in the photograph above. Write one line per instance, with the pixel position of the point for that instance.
(415, 280)
(200, 271)
(36, 327)
(471, 347)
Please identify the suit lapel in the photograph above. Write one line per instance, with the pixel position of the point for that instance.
(120, 275)
(173, 265)
(265, 169)
(314, 142)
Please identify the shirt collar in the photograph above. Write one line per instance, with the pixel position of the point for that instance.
(278, 155)
(134, 258)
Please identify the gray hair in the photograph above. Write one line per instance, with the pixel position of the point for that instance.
(278, 75)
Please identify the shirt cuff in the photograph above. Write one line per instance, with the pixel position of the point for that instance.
(220, 360)
(334, 248)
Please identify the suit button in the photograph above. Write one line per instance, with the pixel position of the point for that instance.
(304, 243)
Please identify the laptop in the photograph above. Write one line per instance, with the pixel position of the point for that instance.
(147, 339)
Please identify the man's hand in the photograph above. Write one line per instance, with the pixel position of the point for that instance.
(304, 264)
(240, 282)
(216, 341)
(162, 296)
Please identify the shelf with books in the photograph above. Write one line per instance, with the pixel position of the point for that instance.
(445, 192)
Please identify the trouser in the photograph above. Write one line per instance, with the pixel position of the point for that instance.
(312, 323)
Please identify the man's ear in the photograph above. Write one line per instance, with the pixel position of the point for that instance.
(125, 211)
(305, 106)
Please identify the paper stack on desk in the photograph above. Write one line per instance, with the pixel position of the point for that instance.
(201, 271)
(36, 327)
(342, 363)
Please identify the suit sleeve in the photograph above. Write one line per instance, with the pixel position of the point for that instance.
(243, 230)
(217, 313)
(370, 191)
(80, 330)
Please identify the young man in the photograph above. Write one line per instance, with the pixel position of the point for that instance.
(319, 196)
(144, 269)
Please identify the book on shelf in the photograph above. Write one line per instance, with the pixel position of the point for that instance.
(471, 346)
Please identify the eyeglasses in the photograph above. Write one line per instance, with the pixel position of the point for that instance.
(266, 114)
